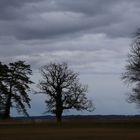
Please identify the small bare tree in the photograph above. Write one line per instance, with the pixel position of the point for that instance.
(64, 91)
(132, 74)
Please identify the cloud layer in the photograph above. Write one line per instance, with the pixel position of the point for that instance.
(84, 33)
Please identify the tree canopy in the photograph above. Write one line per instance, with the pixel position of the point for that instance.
(14, 87)
(132, 70)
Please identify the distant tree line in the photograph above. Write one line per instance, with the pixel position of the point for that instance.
(59, 83)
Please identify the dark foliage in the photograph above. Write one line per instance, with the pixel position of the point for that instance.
(14, 87)
(3, 89)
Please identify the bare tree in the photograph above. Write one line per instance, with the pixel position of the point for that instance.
(64, 91)
(132, 73)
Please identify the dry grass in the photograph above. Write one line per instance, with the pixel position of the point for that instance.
(72, 130)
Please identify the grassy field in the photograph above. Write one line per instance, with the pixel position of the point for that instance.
(83, 129)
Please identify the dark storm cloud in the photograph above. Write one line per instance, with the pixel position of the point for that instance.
(64, 30)
(33, 19)
(88, 7)
(10, 9)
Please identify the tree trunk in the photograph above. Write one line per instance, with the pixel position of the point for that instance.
(59, 116)
(59, 111)
(59, 106)
(7, 108)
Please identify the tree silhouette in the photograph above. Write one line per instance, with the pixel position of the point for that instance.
(14, 87)
(3, 89)
(132, 73)
(64, 91)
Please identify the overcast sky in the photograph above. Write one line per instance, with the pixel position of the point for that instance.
(93, 36)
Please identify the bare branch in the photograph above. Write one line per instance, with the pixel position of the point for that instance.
(132, 73)
(64, 91)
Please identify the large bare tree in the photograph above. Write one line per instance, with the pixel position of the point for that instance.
(132, 73)
(64, 91)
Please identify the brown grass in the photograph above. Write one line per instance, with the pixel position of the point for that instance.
(72, 130)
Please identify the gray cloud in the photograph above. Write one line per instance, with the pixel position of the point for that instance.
(52, 18)
(11, 10)
(84, 33)
(88, 53)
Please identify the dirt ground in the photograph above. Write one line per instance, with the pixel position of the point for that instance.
(72, 130)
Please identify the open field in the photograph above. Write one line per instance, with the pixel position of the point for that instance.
(82, 129)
